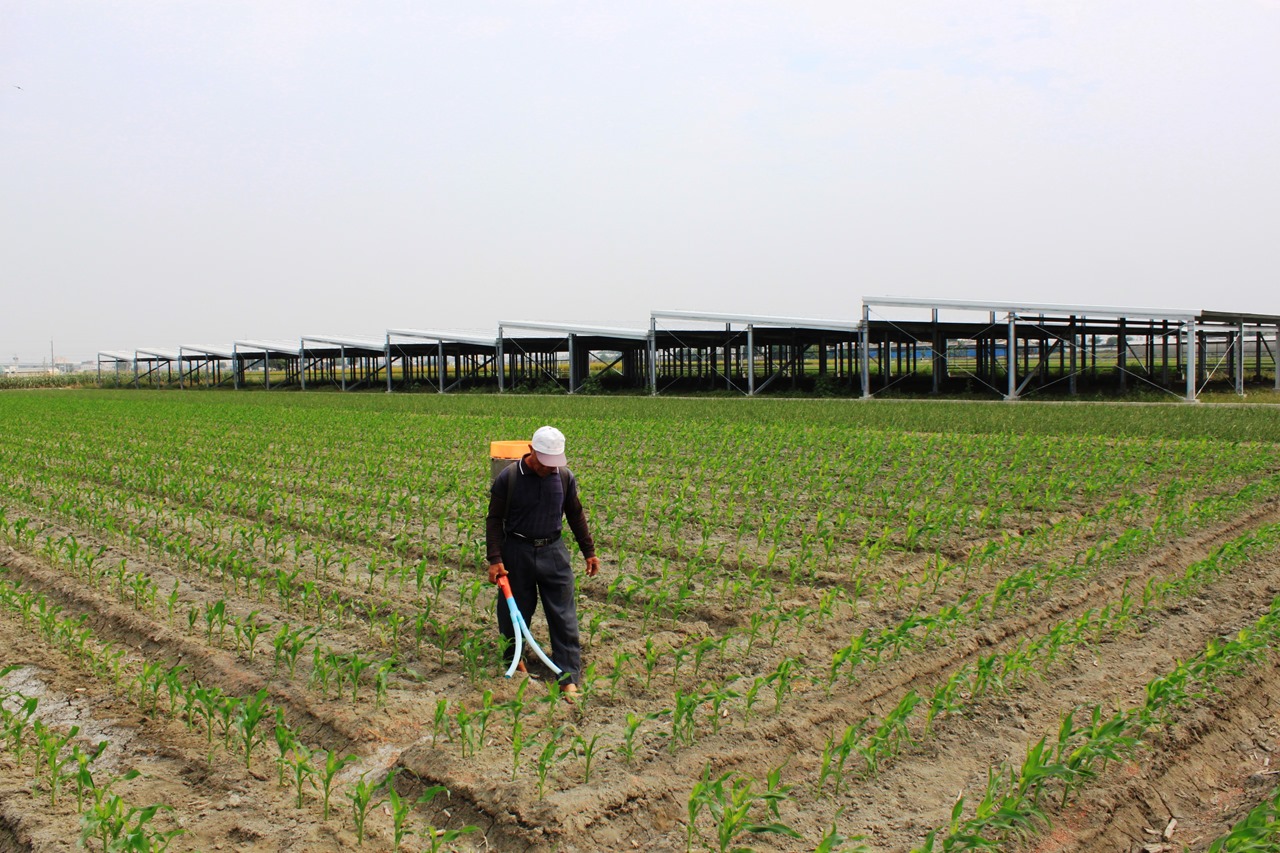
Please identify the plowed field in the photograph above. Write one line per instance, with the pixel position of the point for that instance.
(838, 624)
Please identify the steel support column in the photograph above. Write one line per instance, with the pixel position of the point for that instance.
(1164, 354)
(573, 363)
(1190, 326)
(1122, 356)
(653, 357)
(1075, 339)
(1012, 357)
(1239, 358)
(440, 368)
(865, 347)
(502, 364)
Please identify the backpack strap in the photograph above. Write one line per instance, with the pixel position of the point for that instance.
(564, 487)
(506, 472)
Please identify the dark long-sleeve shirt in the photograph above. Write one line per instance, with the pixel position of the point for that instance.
(536, 506)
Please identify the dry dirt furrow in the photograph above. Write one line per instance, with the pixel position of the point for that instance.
(921, 671)
(878, 690)
(213, 797)
(906, 799)
(1000, 729)
(1206, 773)
(575, 817)
(199, 588)
(329, 723)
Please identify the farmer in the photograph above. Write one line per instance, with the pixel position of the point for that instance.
(522, 532)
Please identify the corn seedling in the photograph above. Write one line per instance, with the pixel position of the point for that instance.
(439, 837)
(1257, 832)
(729, 801)
(333, 764)
(550, 756)
(285, 739)
(587, 749)
(362, 800)
(301, 769)
(634, 721)
(49, 748)
(249, 713)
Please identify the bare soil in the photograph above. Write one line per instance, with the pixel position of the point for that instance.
(1185, 788)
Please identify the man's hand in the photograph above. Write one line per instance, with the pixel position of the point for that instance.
(593, 566)
(497, 570)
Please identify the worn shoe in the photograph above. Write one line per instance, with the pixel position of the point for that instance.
(520, 667)
(569, 692)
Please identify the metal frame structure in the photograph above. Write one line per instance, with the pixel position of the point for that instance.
(203, 359)
(1164, 348)
(782, 343)
(245, 354)
(117, 358)
(524, 356)
(1012, 348)
(424, 357)
(328, 357)
(1234, 329)
(155, 358)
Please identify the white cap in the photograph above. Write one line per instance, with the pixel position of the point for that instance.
(548, 444)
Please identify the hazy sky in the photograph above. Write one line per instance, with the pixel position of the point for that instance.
(198, 172)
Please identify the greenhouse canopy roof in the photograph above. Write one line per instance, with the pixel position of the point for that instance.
(758, 320)
(574, 329)
(1028, 308)
(442, 336)
(334, 341)
(281, 347)
(227, 351)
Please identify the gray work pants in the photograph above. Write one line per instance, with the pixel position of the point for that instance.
(547, 573)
